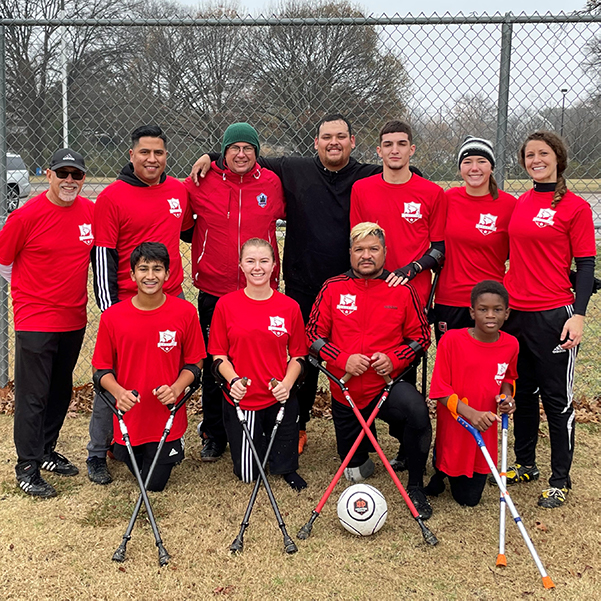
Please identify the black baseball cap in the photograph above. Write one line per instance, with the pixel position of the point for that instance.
(65, 157)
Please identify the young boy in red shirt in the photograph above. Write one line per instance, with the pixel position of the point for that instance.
(478, 365)
(151, 343)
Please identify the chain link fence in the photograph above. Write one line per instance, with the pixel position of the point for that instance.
(85, 75)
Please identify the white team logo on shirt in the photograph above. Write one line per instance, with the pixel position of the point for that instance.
(174, 207)
(262, 200)
(347, 303)
(487, 224)
(544, 217)
(85, 233)
(277, 325)
(167, 340)
(501, 369)
(412, 211)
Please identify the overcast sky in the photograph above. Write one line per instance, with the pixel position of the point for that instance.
(429, 7)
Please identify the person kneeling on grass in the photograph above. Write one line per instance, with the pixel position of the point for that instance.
(253, 332)
(370, 329)
(152, 344)
(476, 365)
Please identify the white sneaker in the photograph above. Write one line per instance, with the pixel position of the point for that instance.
(358, 474)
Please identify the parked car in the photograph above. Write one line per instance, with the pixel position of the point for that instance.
(17, 179)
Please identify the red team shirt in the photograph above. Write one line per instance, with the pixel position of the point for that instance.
(50, 248)
(412, 215)
(147, 349)
(475, 370)
(128, 215)
(542, 243)
(476, 244)
(257, 336)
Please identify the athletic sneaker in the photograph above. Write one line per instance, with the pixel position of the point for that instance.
(98, 472)
(399, 463)
(302, 441)
(30, 481)
(520, 473)
(358, 474)
(422, 505)
(211, 451)
(58, 464)
(553, 497)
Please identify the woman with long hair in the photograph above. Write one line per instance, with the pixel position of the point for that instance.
(549, 228)
(476, 239)
(259, 334)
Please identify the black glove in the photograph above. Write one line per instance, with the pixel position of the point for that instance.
(409, 271)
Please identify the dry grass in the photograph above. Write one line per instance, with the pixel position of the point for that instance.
(61, 548)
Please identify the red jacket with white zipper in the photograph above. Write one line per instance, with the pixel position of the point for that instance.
(365, 316)
(230, 209)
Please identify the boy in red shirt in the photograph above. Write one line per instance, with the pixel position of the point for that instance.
(151, 343)
(478, 365)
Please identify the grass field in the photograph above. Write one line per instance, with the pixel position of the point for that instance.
(60, 549)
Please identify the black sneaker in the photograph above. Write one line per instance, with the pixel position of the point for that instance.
(98, 471)
(399, 463)
(30, 482)
(551, 498)
(422, 505)
(58, 464)
(522, 473)
(211, 450)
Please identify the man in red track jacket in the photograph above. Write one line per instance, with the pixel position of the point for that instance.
(361, 326)
(236, 201)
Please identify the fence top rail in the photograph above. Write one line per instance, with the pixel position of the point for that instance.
(435, 19)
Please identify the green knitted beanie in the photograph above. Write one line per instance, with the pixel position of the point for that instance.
(240, 132)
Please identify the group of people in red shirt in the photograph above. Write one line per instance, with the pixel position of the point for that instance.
(388, 224)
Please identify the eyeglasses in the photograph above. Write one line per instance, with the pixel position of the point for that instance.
(64, 174)
(247, 150)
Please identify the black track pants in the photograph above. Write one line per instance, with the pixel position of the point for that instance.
(545, 370)
(44, 363)
(404, 410)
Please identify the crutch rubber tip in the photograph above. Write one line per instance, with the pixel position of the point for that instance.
(289, 546)
(547, 582)
(119, 554)
(305, 532)
(501, 561)
(427, 533)
(237, 546)
(164, 557)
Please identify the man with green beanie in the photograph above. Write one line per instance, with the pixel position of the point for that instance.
(237, 200)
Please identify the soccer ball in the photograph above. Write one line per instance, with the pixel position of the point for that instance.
(362, 509)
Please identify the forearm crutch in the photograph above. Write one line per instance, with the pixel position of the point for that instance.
(163, 555)
(289, 545)
(501, 559)
(425, 358)
(238, 545)
(119, 554)
(426, 532)
(547, 582)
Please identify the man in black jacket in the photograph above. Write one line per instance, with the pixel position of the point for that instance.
(318, 197)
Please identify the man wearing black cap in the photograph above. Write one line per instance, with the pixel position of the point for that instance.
(236, 201)
(51, 230)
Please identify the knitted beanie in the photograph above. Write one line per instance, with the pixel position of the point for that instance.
(240, 132)
(476, 147)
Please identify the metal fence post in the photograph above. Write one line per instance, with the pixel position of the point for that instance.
(3, 210)
(503, 102)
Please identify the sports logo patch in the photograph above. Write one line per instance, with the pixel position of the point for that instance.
(412, 211)
(167, 340)
(262, 200)
(501, 369)
(277, 325)
(360, 506)
(347, 303)
(85, 233)
(487, 224)
(544, 217)
(174, 207)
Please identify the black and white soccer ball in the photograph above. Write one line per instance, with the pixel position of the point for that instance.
(362, 509)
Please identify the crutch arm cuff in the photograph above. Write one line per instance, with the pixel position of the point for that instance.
(97, 377)
(195, 371)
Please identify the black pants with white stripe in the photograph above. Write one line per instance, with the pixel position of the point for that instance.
(44, 364)
(284, 453)
(545, 370)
